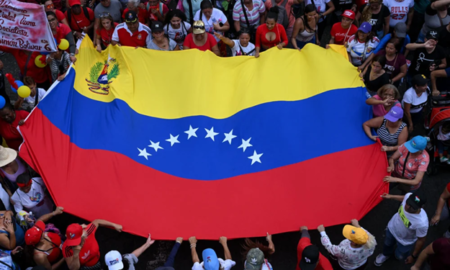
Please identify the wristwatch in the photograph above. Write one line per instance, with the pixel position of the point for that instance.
(72, 54)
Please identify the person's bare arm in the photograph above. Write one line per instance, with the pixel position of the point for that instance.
(137, 252)
(297, 26)
(226, 250)
(392, 159)
(227, 41)
(215, 49)
(407, 114)
(330, 9)
(105, 223)
(417, 248)
(445, 196)
(271, 244)
(372, 123)
(434, 75)
(96, 27)
(237, 26)
(403, 71)
(58, 211)
(424, 256)
(413, 182)
(393, 197)
(438, 4)
(194, 255)
(414, 46)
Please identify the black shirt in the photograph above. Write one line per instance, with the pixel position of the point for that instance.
(377, 20)
(423, 60)
(373, 86)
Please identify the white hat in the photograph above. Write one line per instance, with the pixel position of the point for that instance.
(113, 260)
(7, 155)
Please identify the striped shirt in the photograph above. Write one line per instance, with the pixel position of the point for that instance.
(386, 137)
(252, 15)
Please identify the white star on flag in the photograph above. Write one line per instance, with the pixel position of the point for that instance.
(143, 153)
(155, 146)
(210, 133)
(229, 137)
(245, 144)
(255, 157)
(191, 132)
(173, 140)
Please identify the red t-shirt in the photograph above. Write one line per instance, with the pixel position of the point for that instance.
(441, 259)
(142, 15)
(126, 38)
(59, 15)
(90, 252)
(79, 21)
(106, 35)
(61, 32)
(40, 75)
(152, 17)
(9, 131)
(342, 35)
(263, 30)
(324, 263)
(55, 254)
(210, 42)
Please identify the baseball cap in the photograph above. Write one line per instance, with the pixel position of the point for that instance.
(131, 17)
(417, 199)
(365, 27)
(400, 30)
(255, 259)
(210, 260)
(310, 257)
(349, 14)
(420, 80)
(113, 260)
(199, 27)
(356, 235)
(157, 27)
(394, 114)
(73, 234)
(416, 144)
(432, 34)
(74, 3)
(34, 234)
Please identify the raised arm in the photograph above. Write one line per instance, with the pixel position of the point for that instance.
(105, 223)
(194, 255)
(225, 40)
(372, 123)
(226, 250)
(58, 211)
(137, 252)
(271, 244)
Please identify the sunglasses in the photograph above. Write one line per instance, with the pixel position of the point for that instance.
(198, 27)
(49, 6)
(104, 15)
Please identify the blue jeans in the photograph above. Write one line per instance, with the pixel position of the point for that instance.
(301, 44)
(401, 252)
(441, 147)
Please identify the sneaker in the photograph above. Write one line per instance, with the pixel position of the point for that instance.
(443, 159)
(380, 259)
(447, 234)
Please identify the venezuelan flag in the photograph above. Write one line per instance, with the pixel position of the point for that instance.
(186, 143)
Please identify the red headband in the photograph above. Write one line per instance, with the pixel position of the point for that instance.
(24, 185)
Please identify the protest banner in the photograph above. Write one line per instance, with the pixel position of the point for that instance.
(25, 26)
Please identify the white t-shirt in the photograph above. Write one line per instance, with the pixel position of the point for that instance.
(29, 101)
(35, 200)
(236, 50)
(417, 103)
(358, 49)
(4, 196)
(321, 7)
(5, 257)
(399, 10)
(217, 16)
(407, 227)
(226, 265)
(443, 136)
(178, 34)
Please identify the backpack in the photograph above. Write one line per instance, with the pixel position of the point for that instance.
(69, 15)
(283, 17)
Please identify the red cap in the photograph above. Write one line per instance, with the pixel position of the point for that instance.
(349, 14)
(74, 3)
(73, 234)
(34, 234)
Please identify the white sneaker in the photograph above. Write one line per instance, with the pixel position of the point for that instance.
(447, 234)
(443, 159)
(380, 259)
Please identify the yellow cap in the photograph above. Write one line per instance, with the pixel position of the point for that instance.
(356, 235)
(199, 27)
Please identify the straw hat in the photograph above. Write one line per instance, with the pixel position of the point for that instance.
(7, 155)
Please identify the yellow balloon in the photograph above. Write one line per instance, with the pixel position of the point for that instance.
(63, 44)
(40, 61)
(24, 91)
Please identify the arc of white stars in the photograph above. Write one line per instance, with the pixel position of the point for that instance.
(255, 157)
(143, 153)
(191, 132)
(229, 137)
(245, 144)
(210, 133)
(173, 140)
(155, 146)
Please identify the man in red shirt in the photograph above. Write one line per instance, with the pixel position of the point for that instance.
(133, 5)
(342, 31)
(81, 19)
(308, 255)
(131, 33)
(81, 248)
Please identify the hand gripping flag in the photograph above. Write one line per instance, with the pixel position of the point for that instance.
(186, 143)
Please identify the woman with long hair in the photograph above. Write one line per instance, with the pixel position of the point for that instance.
(159, 40)
(323, 8)
(266, 250)
(374, 76)
(271, 33)
(395, 66)
(105, 31)
(377, 14)
(305, 29)
(361, 45)
(177, 28)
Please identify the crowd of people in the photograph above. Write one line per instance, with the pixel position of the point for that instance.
(395, 44)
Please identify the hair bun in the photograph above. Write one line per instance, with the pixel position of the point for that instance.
(274, 10)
